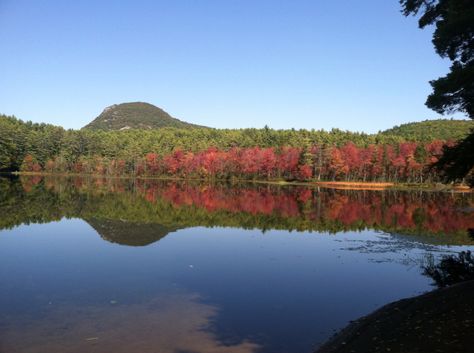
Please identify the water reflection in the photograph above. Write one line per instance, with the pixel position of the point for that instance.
(129, 233)
(118, 265)
(149, 209)
(168, 324)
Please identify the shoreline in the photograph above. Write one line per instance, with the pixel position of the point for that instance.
(337, 185)
(437, 321)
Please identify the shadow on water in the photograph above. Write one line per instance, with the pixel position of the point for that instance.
(470, 232)
(450, 269)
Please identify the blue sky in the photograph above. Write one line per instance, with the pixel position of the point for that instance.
(353, 65)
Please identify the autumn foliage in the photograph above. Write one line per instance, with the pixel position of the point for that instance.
(390, 210)
(405, 161)
(30, 164)
(266, 206)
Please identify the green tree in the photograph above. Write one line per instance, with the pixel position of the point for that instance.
(453, 38)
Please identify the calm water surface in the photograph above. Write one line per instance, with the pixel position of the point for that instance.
(95, 265)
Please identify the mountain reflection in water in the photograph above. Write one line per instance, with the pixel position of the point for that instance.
(139, 212)
(124, 265)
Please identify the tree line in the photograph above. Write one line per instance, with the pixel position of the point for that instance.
(402, 162)
(222, 154)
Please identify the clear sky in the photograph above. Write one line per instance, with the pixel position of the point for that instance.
(354, 65)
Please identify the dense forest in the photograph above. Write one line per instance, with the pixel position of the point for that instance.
(426, 131)
(405, 154)
(140, 211)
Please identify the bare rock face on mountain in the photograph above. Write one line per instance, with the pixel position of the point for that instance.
(137, 115)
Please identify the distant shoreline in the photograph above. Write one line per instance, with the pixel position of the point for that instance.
(338, 185)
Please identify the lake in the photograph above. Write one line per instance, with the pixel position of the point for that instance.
(133, 265)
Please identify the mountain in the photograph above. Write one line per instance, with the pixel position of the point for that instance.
(136, 115)
(440, 129)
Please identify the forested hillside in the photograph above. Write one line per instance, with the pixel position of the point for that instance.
(135, 115)
(441, 129)
(212, 153)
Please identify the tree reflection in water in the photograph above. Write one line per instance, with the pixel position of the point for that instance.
(110, 204)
